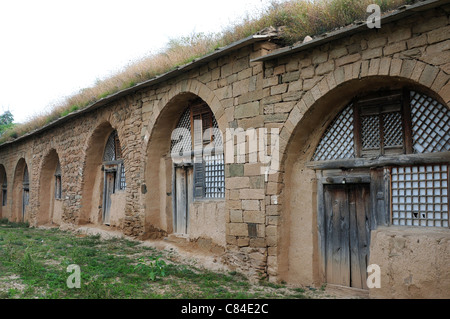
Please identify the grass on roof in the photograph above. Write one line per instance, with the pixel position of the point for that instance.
(298, 18)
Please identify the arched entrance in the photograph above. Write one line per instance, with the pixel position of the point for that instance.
(356, 166)
(103, 200)
(50, 190)
(185, 179)
(21, 191)
(4, 183)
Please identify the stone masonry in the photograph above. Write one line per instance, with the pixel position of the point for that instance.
(242, 92)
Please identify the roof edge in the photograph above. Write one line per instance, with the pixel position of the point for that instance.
(399, 13)
(264, 35)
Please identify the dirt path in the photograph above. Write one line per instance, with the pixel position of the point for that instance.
(183, 252)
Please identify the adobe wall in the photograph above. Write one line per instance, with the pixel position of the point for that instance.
(298, 94)
(413, 262)
(308, 89)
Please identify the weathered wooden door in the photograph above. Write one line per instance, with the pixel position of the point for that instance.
(25, 201)
(109, 189)
(183, 198)
(347, 234)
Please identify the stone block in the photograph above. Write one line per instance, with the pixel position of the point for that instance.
(251, 204)
(237, 182)
(438, 35)
(236, 216)
(234, 170)
(238, 229)
(348, 59)
(255, 217)
(325, 67)
(251, 194)
(278, 89)
(428, 75)
(247, 110)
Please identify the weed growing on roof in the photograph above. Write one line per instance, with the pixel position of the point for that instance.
(296, 18)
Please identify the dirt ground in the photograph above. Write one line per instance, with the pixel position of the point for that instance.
(185, 252)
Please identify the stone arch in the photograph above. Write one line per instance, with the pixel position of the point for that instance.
(158, 172)
(394, 73)
(92, 177)
(18, 192)
(299, 137)
(4, 191)
(187, 87)
(50, 208)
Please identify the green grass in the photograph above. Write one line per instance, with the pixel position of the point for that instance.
(34, 261)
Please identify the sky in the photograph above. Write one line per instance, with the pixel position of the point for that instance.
(51, 49)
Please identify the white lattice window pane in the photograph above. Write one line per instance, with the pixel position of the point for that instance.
(338, 140)
(430, 124)
(110, 149)
(420, 204)
(214, 176)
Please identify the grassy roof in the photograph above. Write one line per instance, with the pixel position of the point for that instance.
(298, 18)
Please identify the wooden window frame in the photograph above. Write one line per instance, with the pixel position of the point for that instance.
(381, 101)
(199, 110)
(5, 191)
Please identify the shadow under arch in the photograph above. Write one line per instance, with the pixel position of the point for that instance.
(159, 173)
(4, 191)
(92, 181)
(21, 191)
(298, 233)
(50, 207)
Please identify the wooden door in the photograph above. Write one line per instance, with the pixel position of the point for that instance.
(183, 198)
(25, 201)
(109, 189)
(347, 234)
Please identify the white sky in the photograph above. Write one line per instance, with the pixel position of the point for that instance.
(50, 49)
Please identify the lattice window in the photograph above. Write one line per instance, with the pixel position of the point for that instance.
(58, 181)
(420, 195)
(338, 140)
(370, 130)
(110, 148)
(197, 128)
(183, 141)
(26, 189)
(26, 177)
(123, 182)
(214, 176)
(393, 129)
(430, 124)
(4, 190)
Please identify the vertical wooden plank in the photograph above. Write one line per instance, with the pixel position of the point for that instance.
(190, 193)
(181, 200)
(328, 227)
(108, 191)
(321, 235)
(357, 130)
(344, 247)
(360, 234)
(365, 223)
(380, 215)
(407, 126)
(353, 198)
(337, 235)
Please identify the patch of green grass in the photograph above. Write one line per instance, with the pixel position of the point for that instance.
(33, 264)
